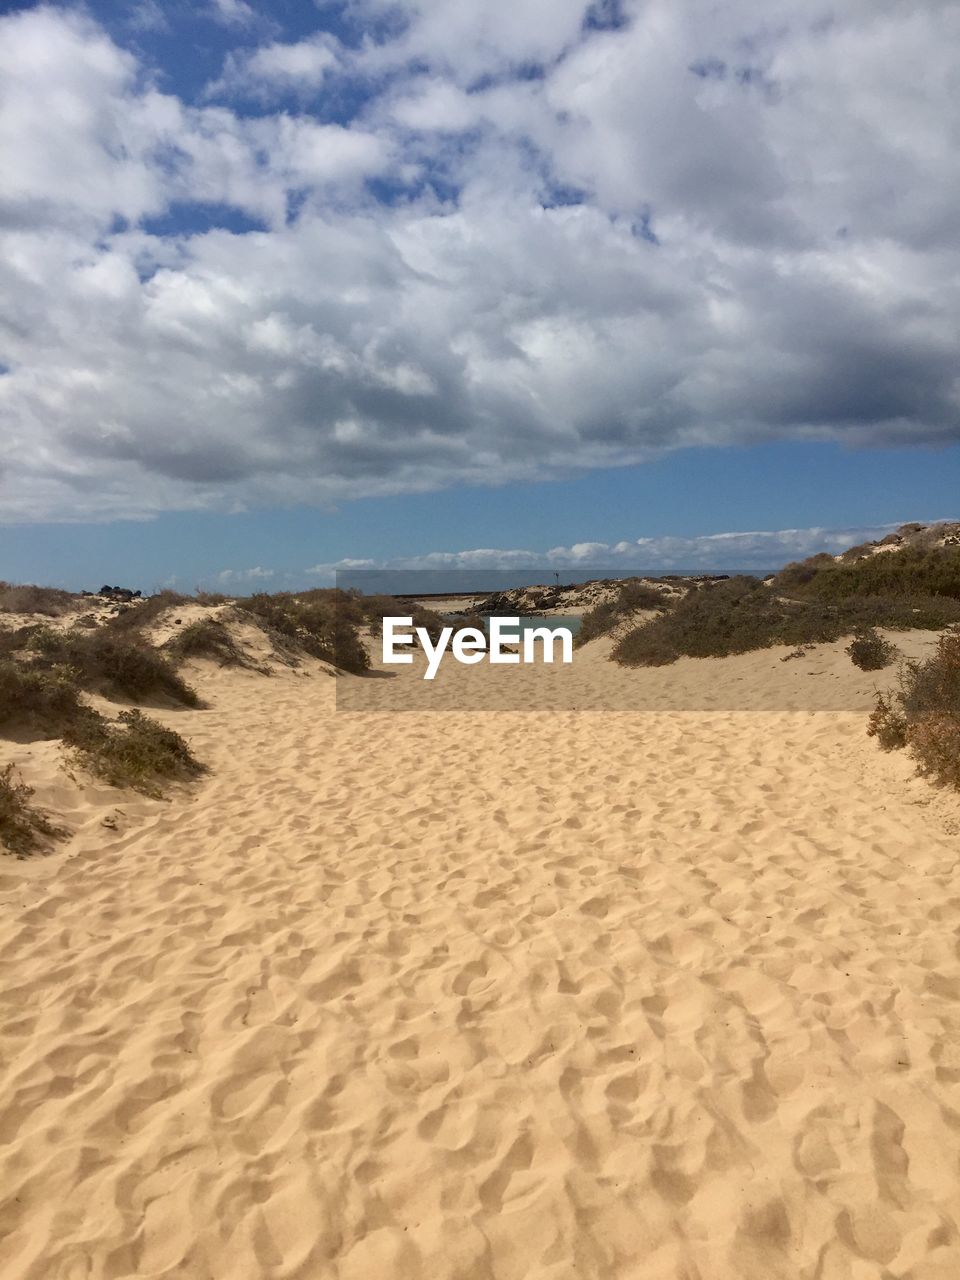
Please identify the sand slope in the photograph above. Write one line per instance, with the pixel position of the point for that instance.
(533, 996)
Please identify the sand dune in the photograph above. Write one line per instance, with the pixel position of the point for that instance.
(525, 995)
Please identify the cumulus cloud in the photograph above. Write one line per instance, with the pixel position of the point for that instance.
(537, 238)
(233, 12)
(301, 66)
(233, 577)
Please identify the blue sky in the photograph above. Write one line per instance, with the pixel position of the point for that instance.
(285, 285)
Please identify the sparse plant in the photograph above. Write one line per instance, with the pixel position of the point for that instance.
(887, 724)
(142, 614)
(41, 702)
(23, 829)
(741, 614)
(925, 716)
(324, 624)
(135, 752)
(869, 650)
(206, 638)
(49, 601)
(632, 597)
(114, 665)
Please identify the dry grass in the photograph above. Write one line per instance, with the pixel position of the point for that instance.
(139, 616)
(917, 571)
(632, 596)
(102, 661)
(742, 614)
(134, 752)
(207, 638)
(23, 829)
(40, 703)
(50, 602)
(324, 624)
(924, 715)
(869, 651)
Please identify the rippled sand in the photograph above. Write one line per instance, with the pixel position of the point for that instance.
(514, 996)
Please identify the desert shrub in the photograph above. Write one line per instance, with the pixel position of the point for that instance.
(135, 752)
(741, 614)
(869, 651)
(139, 616)
(373, 610)
(919, 571)
(935, 745)
(22, 828)
(115, 665)
(19, 638)
(50, 601)
(44, 702)
(206, 638)
(852, 554)
(324, 624)
(926, 714)
(631, 597)
(209, 597)
(887, 724)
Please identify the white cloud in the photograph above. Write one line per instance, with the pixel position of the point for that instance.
(227, 577)
(757, 551)
(300, 66)
(585, 265)
(233, 13)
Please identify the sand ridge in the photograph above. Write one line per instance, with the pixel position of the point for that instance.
(553, 995)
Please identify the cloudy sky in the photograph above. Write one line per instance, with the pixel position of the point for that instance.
(283, 284)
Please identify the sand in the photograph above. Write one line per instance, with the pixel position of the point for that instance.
(518, 996)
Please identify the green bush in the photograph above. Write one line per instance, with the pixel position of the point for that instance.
(869, 651)
(631, 597)
(206, 638)
(22, 828)
(324, 624)
(925, 713)
(887, 724)
(46, 703)
(910, 571)
(135, 752)
(114, 665)
(742, 614)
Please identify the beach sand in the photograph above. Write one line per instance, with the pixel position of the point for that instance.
(518, 996)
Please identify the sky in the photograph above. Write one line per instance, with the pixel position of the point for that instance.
(289, 286)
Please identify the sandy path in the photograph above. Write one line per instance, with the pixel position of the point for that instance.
(515, 996)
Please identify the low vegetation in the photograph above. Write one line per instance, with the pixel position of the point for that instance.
(631, 597)
(915, 571)
(329, 623)
(23, 829)
(370, 611)
(135, 751)
(206, 638)
(742, 614)
(114, 665)
(869, 650)
(137, 617)
(39, 703)
(924, 714)
(50, 602)
(324, 624)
